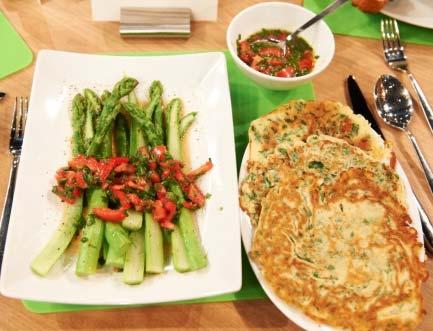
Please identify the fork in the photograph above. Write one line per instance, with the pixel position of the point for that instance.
(396, 58)
(15, 145)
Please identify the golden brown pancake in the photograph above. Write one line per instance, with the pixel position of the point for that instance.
(298, 119)
(333, 155)
(343, 250)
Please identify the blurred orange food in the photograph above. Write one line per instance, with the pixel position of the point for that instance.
(370, 6)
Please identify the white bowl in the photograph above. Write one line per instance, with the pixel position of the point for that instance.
(284, 16)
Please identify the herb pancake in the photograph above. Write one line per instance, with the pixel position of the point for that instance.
(342, 251)
(299, 119)
(327, 154)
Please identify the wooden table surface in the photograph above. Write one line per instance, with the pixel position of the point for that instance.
(67, 25)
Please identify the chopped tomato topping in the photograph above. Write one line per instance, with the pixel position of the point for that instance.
(271, 51)
(123, 199)
(152, 165)
(159, 212)
(201, 170)
(170, 207)
(79, 179)
(154, 177)
(165, 174)
(285, 72)
(275, 62)
(126, 168)
(306, 64)
(109, 215)
(107, 167)
(81, 161)
(255, 63)
(195, 195)
(189, 205)
(245, 52)
(159, 152)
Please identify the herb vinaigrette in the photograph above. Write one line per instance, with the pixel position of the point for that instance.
(263, 55)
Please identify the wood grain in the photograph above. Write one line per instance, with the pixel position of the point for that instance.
(67, 25)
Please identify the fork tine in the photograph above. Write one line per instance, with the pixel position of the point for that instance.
(24, 114)
(390, 35)
(397, 34)
(14, 122)
(19, 129)
(385, 36)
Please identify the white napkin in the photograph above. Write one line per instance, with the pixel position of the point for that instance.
(109, 10)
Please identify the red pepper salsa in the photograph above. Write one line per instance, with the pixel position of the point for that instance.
(261, 53)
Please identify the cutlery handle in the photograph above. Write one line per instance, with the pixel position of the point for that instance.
(427, 227)
(427, 170)
(428, 112)
(318, 17)
(8, 206)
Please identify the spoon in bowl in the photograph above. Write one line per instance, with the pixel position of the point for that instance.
(394, 105)
(283, 43)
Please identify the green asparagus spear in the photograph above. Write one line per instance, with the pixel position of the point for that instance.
(109, 112)
(173, 135)
(133, 272)
(94, 103)
(118, 243)
(155, 94)
(92, 235)
(67, 228)
(194, 250)
(105, 95)
(136, 137)
(121, 135)
(60, 239)
(147, 125)
(158, 119)
(107, 144)
(134, 220)
(154, 245)
(123, 88)
(192, 247)
(185, 123)
(180, 259)
(78, 121)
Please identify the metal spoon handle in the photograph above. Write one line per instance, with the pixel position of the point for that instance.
(318, 17)
(427, 170)
(428, 112)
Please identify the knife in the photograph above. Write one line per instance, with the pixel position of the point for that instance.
(360, 106)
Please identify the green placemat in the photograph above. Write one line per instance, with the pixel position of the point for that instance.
(350, 21)
(249, 101)
(15, 54)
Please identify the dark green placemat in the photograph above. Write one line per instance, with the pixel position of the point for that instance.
(249, 101)
(14, 53)
(350, 21)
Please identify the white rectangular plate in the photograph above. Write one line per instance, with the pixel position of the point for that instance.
(200, 80)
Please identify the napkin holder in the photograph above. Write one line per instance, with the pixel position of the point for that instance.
(155, 22)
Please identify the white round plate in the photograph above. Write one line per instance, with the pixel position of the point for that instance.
(416, 12)
(291, 312)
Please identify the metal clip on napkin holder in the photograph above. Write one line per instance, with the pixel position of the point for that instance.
(155, 22)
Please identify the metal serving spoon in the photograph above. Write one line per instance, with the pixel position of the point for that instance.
(283, 43)
(394, 105)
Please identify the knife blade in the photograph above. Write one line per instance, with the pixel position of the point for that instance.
(360, 106)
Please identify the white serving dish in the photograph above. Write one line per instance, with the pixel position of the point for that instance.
(285, 16)
(200, 80)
